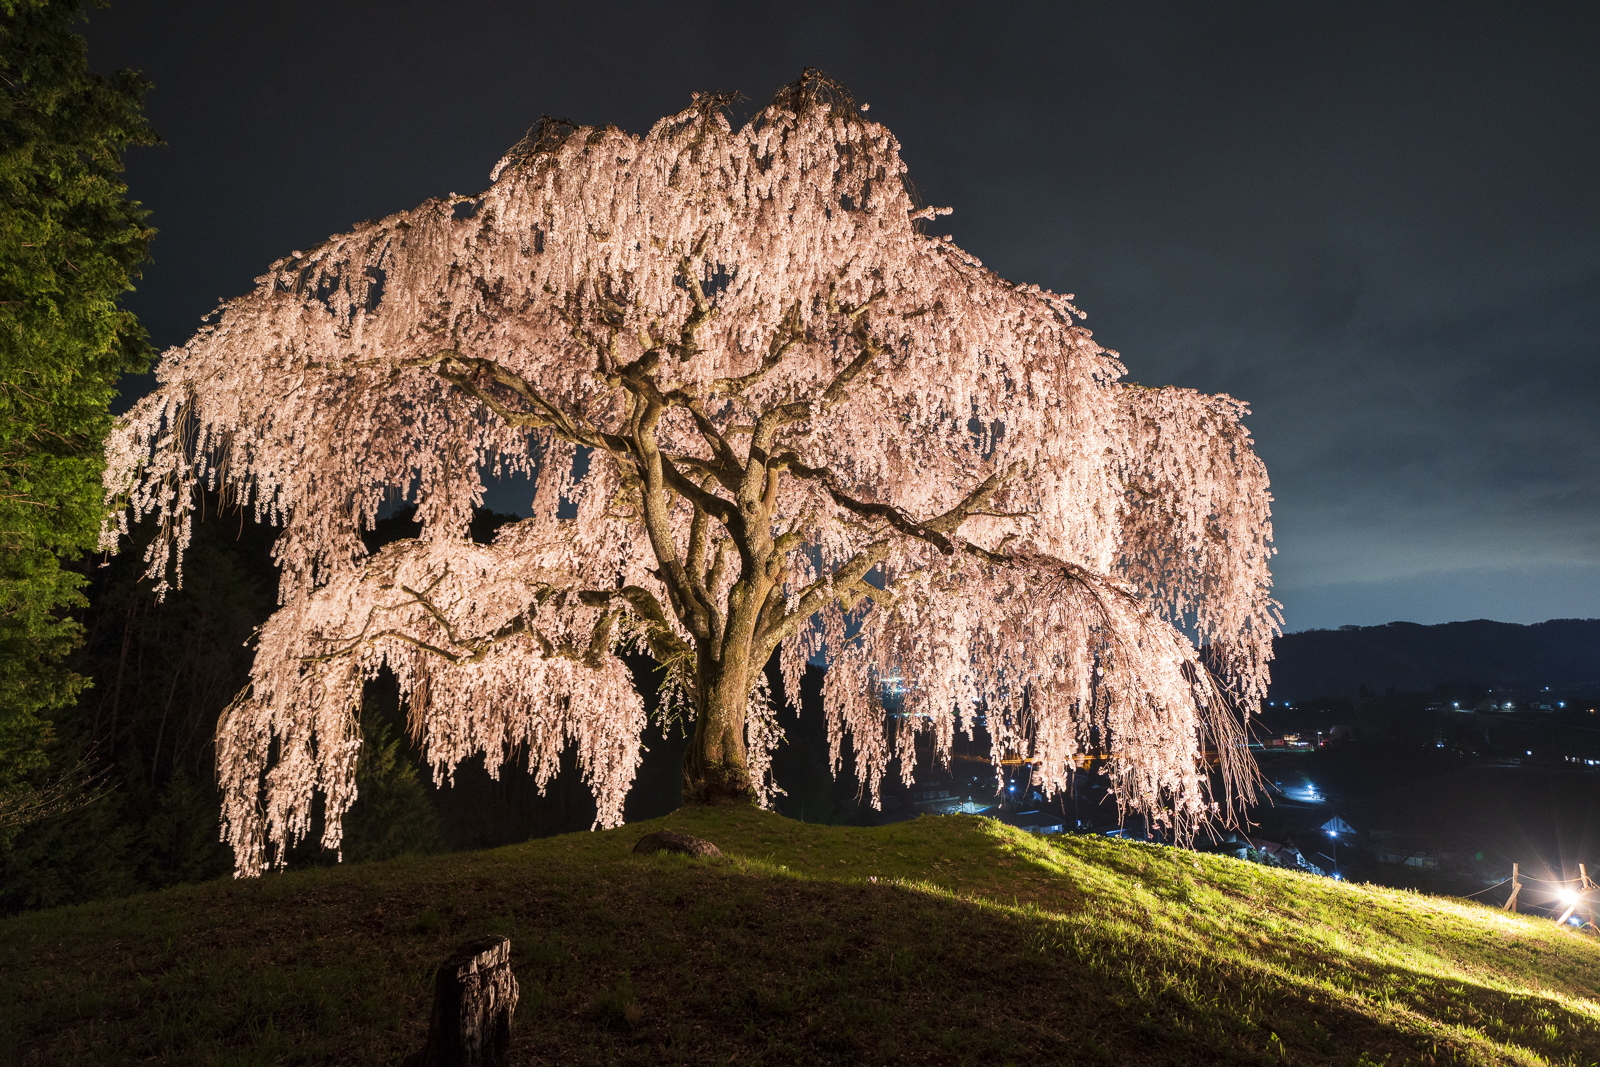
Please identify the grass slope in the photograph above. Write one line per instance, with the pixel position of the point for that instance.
(974, 944)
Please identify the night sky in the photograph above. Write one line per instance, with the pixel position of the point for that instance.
(1379, 224)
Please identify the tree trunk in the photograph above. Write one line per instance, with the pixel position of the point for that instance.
(473, 998)
(715, 767)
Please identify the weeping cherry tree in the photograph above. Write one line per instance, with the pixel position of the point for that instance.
(763, 412)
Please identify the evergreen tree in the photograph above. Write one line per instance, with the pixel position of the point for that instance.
(70, 245)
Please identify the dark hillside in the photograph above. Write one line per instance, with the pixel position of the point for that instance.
(1561, 653)
(937, 941)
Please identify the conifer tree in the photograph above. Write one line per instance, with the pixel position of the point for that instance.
(70, 245)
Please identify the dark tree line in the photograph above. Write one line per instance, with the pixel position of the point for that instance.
(163, 672)
(71, 242)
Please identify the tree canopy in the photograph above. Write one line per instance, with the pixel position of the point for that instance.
(70, 245)
(763, 412)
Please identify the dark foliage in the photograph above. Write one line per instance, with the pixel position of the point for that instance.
(70, 245)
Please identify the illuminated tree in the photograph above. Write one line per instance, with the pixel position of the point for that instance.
(762, 412)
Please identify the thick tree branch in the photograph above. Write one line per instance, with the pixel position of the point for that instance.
(688, 340)
(848, 582)
(815, 596)
(464, 372)
(788, 334)
(836, 391)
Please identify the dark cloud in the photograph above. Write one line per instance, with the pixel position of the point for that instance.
(1375, 222)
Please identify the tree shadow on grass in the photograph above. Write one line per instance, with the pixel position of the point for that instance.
(663, 959)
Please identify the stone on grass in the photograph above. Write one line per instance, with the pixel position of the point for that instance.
(670, 841)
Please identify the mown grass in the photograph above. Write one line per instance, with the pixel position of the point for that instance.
(974, 944)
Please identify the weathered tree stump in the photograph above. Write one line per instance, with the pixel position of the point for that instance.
(474, 994)
(669, 841)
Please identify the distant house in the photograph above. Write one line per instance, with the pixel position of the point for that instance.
(1290, 855)
(1406, 857)
(1036, 822)
(1285, 743)
(1388, 847)
(1283, 855)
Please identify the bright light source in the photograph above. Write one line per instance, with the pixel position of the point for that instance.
(1530, 752)
(1568, 896)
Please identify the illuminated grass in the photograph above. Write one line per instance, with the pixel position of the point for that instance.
(975, 944)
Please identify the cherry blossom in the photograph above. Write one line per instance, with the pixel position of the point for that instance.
(764, 412)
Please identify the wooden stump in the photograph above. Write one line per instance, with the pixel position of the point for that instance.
(670, 841)
(474, 994)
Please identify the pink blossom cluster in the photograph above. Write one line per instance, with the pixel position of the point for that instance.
(804, 424)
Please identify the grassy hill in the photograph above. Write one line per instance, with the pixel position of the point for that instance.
(944, 940)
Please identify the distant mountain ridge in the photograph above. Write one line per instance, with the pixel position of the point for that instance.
(1410, 656)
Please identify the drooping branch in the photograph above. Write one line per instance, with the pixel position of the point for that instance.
(464, 371)
(765, 453)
